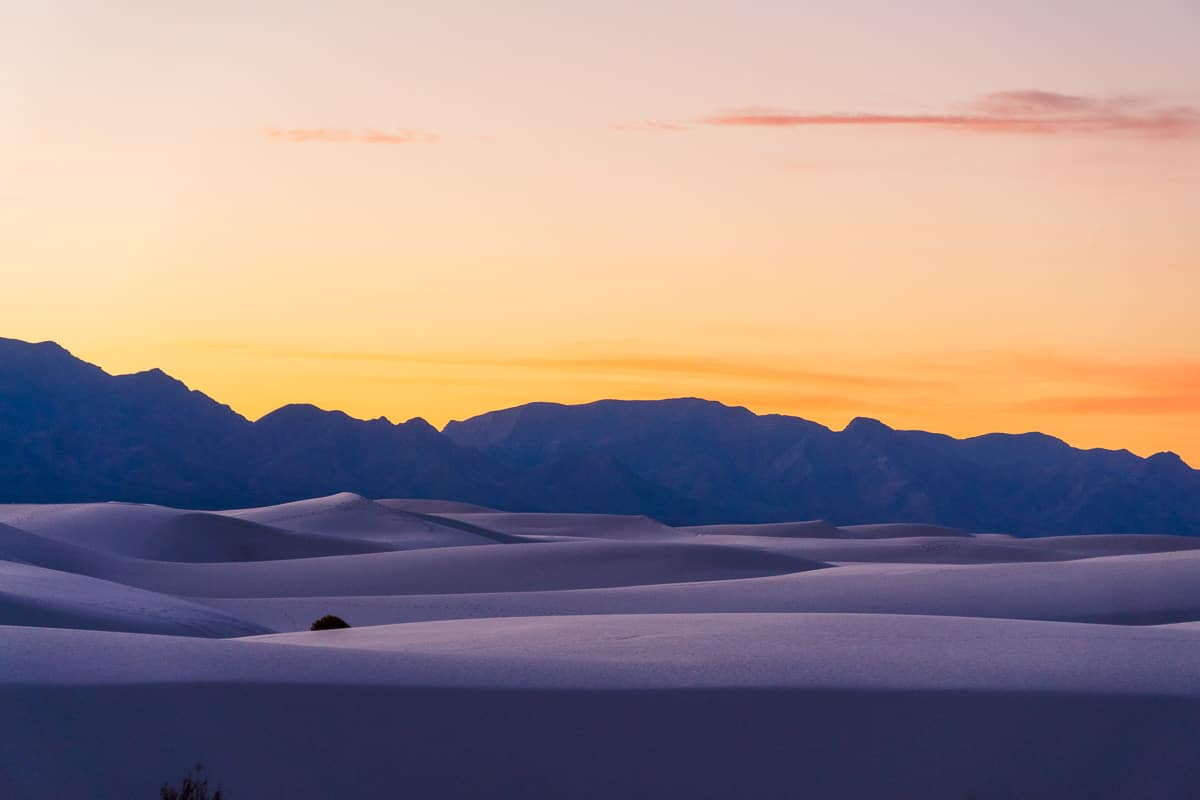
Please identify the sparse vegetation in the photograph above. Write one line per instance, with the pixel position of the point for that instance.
(329, 623)
(193, 787)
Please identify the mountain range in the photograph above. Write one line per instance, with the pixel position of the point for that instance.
(71, 432)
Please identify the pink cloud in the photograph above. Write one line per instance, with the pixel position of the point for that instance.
(1028, 111)
(1035, 102)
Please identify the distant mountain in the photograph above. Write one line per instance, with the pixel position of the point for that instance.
(303, 451)
(735, 465)
(71, 432)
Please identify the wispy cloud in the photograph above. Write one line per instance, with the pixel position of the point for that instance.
(1154, 377)
(1029, 111)
(607, 365)
(723, 368)
(345, 135)
(1052, 383)
(1094, 386)
(766, 399)
(1117, 405)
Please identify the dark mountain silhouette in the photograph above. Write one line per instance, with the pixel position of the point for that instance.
(71, 432)
(739, 465)
(303, 451)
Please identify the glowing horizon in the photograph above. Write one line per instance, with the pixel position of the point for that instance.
(827, 210)
(760, 393)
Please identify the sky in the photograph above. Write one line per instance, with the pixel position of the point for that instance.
(960, 217)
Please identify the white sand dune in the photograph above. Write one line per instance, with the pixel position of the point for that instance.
(34, 596)
(642, 706)
(585, 655)
(1127, 590)
(23, 547)
(352, 516)
(1110, 544)
(590, 526)
(417, 506)
(812, 529)
(166, 534)
(465, 570)
(906, 550)
(647, 651)
(495, 568)
(895, 530)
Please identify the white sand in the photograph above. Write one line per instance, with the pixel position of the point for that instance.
(587, 656)
(591, 526)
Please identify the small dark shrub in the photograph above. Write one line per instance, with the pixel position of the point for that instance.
(194, 787)
(328, 623)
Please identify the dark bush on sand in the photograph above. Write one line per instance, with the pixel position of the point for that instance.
(194, 787)
(329, 623)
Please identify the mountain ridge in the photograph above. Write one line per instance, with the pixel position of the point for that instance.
(69, 431)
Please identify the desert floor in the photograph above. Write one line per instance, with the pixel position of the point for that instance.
(572, 655)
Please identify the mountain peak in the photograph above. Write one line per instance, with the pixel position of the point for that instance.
(419, 424)
(153, 377)
(302, 412)
(44, 359)
(866, 425)
(42, 347)
(1170, 463)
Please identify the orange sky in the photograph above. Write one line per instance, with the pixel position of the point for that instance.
(948, 218)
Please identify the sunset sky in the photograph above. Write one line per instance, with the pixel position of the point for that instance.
(956, 216)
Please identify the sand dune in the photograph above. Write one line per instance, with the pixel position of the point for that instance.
(644, 651)
(1127, 590)
(498, 568)
(166, 534)
(542, 649)
(591, 526)
(434, 506)
(907, 550)
(813, 529)
(1112, 544)
(351, 516)
(33, 596)
(938, 708)
(23, 547)
(648, 651)
(894, 530)
(495, 568)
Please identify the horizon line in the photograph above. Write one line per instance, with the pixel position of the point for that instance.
(442, 430)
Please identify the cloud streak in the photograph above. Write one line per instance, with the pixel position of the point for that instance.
(1098, 387)
(348, 136)
(1028, 111)
(1117, 405)
(615, 364)
(1149, 377)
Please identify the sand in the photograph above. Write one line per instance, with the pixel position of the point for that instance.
(584, 655)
